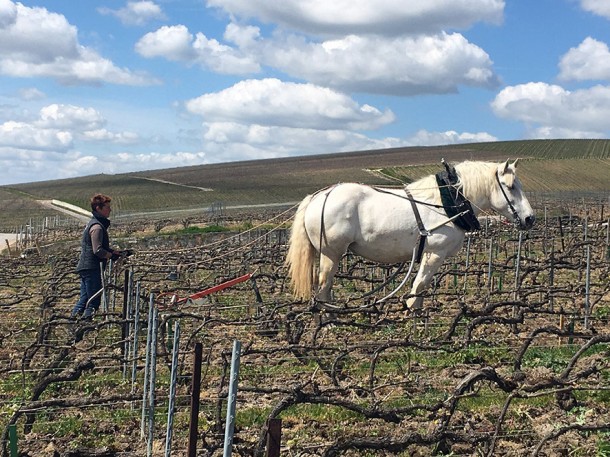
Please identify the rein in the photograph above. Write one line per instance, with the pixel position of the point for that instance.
(408, 197)
(510, 205)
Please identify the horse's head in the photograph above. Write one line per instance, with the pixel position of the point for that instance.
(508, 198)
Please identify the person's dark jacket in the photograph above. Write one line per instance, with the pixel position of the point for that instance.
(90, 260)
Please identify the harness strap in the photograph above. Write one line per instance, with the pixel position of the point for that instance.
(322, 224)
(510, 205)
(423, 233)
(384, 191)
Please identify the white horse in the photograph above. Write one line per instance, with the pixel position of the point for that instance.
(381, 224)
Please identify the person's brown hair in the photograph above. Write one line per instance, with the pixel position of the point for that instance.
(99, 200)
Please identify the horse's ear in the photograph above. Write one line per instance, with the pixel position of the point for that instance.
(515, 163)
(504, 167)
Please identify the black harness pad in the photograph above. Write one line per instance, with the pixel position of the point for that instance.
(454, 201)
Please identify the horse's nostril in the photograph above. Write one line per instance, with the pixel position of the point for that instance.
(529, 220)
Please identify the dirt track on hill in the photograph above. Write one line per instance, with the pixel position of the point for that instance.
(48, 204)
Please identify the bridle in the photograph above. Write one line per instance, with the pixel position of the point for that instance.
(510, 205)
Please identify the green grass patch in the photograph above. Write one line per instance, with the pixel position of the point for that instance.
(58, 424)
(193, 229)
(443, 359)
(252, 417)
(556, 358)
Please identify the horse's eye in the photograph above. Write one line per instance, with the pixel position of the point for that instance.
(509, 187)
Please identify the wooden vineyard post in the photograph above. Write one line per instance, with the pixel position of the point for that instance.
(563, 246)
(195, 396)
(608, 239)
(274, 437)
(552, 276)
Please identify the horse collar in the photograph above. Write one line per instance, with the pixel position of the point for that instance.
(454, 201)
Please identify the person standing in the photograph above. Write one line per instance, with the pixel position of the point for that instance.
(95, 252)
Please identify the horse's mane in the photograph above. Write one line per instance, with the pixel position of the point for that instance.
(475, 178)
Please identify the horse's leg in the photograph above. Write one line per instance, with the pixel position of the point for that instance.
(430, 264)
(328, 269)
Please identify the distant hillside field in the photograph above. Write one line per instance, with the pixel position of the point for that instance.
(537, 175)
(548, 165)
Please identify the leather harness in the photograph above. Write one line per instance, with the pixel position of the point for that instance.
(456, 206)
(454, 201)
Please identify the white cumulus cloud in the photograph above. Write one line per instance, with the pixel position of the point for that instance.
(373, 64)
(57, 127)
(8, 13)
(276, 103)
(136, 13)
(176, 43)
(405, 65)
(426, 138)
(70, 117)
(26, 136)
(589, 61)
(549, 109)
(599, 7)
(268, 118)
(383, 17)
(106, 136)
(35, 42)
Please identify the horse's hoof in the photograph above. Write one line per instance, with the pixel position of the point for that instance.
(415, 303)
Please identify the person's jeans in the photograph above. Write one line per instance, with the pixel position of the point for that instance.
(90, 283)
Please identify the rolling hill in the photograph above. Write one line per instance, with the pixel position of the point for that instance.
(548, 166)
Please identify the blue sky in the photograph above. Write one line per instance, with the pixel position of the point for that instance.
(98, 86)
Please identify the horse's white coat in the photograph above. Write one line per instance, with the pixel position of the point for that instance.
(379, 224)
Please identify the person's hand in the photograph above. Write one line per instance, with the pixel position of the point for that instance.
(115, 256)
(126, 252)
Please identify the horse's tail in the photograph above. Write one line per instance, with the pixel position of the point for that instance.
(301, 255)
